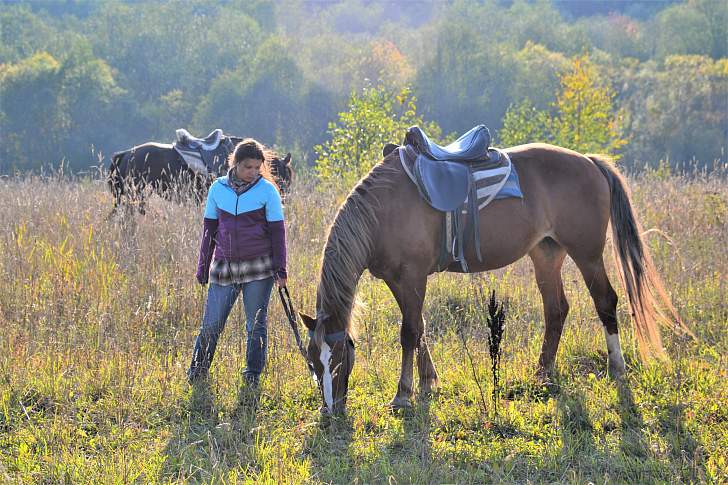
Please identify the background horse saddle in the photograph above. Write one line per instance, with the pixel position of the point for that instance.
(210, 142)
(204, 156)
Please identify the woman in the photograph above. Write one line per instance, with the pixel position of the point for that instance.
(244, 227)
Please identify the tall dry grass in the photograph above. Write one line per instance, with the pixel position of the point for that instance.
(98, 318)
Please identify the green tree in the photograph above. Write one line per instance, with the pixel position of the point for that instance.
(31, 121)
(583, 117)
(466, 81)
(678, 109)
(587, 120)
(537, 74)
(523, 123)
(52, 109)
(88, 97)
(167, 64)
(376, 116)
(24, 33)
(698, 27)
(619, 35)
(267, 98)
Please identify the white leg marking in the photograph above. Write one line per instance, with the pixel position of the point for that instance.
(615, 351)
(325, 357)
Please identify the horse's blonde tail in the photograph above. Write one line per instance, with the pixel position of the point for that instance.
(649, 302)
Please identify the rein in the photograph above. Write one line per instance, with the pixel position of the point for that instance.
(290, 314)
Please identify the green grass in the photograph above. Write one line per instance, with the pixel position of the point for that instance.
(98, 317)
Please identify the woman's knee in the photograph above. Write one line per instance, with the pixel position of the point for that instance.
(258, 324)
(212, 324)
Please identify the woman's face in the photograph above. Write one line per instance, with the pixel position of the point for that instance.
(248, 169)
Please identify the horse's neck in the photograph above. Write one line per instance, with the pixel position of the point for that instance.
(338, 306)
(349, 246)
(337, 290)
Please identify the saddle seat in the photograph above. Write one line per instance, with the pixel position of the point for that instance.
(470, 147)
(210, 142)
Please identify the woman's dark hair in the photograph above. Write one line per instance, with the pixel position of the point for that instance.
(251, 148)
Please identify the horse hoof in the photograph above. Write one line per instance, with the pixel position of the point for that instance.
(617, 372)
(400, 403)
(544, 376)
(429, 384)
(328, 413)
(430, 388)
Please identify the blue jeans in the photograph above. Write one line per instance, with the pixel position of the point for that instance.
(220, 300)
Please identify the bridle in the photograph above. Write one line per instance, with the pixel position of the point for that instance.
(330, 339)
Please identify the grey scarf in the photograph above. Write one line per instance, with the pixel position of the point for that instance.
(239, 186)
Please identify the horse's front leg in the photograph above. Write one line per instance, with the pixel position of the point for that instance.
(403, 398)
(428, 375)
(409, 291)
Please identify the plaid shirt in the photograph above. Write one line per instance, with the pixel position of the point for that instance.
(226, 273)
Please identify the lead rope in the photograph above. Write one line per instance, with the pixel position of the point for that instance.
(290, 314)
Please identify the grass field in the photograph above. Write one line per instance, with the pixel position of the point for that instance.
(97, 320)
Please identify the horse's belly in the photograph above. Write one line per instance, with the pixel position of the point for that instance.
(509, 229)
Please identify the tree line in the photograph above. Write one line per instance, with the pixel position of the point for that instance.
(81, 79)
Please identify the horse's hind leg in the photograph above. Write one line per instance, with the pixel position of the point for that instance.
(605, 301)
(547, 257)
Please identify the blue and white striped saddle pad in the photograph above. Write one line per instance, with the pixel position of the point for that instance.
(446, 186)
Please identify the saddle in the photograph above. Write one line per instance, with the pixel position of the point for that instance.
(203, 155)
(470, 147)
(459, 180)
(210, 142)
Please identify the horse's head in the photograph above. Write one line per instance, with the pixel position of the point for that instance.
(283, 172)
(332, 356)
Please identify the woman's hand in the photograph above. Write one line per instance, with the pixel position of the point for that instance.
(281, 282)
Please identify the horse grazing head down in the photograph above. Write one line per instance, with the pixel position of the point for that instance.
(282, 172)
(332, 356)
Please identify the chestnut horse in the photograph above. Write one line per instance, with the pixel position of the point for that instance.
(569, 200)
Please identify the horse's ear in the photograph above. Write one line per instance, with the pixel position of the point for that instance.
(287, 160)
(389, 148)
(308, 321)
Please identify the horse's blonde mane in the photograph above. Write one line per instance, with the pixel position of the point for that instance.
(349, 244)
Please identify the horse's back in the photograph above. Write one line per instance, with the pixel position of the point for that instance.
(565, 190)
(150, 145)
(157, 160)
(558, 161)
(557, 172)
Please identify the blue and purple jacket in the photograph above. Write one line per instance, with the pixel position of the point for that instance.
(243, 226)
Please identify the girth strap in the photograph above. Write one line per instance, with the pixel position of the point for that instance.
(474, 218)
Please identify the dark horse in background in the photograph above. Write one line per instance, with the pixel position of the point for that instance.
(159, 167)
(385, 226)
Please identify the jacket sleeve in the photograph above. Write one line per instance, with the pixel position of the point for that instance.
(277, 228)
(209, 230)
(278, 242)
(207, 248)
